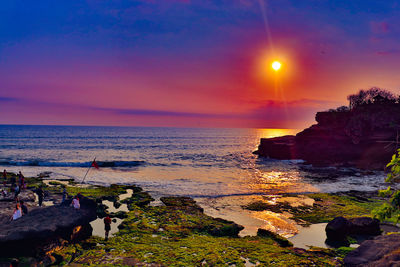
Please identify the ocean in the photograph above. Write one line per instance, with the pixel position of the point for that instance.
(196, 162)
(214, 166)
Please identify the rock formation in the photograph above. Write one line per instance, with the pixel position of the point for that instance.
(381, 251)
(339, 228)
(365, 137)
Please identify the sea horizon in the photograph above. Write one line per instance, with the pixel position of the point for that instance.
(198, 162)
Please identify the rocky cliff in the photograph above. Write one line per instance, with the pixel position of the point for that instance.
(365, 137)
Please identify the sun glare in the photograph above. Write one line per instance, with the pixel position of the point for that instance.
(276, 65)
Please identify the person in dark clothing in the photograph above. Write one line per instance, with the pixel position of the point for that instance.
(64, 194)
(13, 180)
(23, 207)
(17, 190)
(4, 177)
(40, 194)
(107, 226)
(21, 179)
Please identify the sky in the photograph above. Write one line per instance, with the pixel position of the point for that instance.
(189, 63)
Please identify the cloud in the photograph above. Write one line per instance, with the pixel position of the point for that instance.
(388, 52)
(379, 27)
(161, 113)
(268, 114)
(8, 99)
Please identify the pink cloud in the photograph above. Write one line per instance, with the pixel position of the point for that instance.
(379, 27)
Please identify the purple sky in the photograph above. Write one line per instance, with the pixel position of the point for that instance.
(191, 63)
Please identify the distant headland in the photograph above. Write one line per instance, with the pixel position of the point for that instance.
(364, 135)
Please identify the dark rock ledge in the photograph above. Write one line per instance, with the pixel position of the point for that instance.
(44, 229)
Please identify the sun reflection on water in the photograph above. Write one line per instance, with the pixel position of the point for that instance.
(278, 182)
(270, 133)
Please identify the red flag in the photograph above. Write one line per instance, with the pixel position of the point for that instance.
(94, 164)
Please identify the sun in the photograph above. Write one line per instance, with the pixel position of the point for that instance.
(276, 65)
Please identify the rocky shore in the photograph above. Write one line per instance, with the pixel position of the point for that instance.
(175, 233)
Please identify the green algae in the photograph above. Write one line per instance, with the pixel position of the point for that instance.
(329, 206)
(138, 199)
(194, 250)
(325, 208)
(283, 242)
(102, 192)
(180, 234)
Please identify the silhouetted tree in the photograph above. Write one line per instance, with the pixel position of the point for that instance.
(373, 95)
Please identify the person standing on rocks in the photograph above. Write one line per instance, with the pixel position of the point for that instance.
(21, 179)
(4, 177)
(107, 226)
(64, 194)
(40, 194)
(13, 180)
(17, 190)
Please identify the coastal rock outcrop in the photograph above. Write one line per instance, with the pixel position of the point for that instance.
(213, 226)
(381, 251)
(339, 228)
(44, 228)
(364, 137)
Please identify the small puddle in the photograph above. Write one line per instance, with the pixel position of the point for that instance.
(98, 227)
(47, 182)
(98, 224)
(313, 235)
(111, 207)
(128, 194)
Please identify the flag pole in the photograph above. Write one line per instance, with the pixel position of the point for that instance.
(88, 170)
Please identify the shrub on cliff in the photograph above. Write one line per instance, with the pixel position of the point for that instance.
(391, 209)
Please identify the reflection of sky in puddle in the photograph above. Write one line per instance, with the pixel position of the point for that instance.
(230, 208)
(313, 235)
(98, 224)
(111, 207)
(47, 182)
(98, 227)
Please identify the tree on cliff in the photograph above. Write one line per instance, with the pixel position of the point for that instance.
(373, 95)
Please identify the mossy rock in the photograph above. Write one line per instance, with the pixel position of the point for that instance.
(224, 228)
(258, 206)
(139, 199)
(101, 210)
(55, 183)
(283, 242)
(110, 193)
(181, 202)
(119, 214)
(116, 204)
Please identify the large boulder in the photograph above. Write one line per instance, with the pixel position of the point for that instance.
(43, 227)
(364, 226)
(380, 252)
(338, 229)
